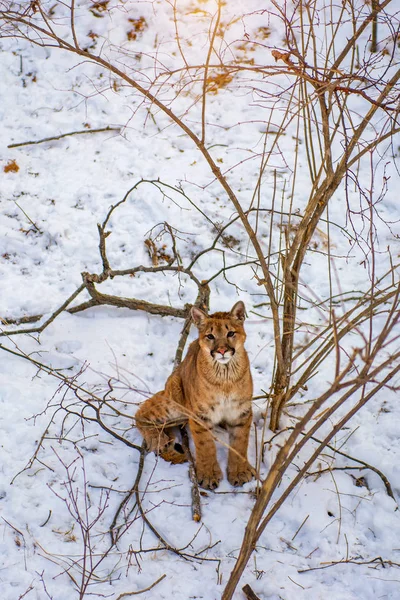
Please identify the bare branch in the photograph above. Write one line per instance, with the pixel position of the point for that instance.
(63, 135)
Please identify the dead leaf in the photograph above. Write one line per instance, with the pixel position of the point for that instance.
(139, 25)
(285, 56)
(11, 167)
(218, 81)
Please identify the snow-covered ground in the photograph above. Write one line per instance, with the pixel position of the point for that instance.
(49, 210)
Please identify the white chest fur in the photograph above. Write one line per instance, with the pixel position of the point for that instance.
(225, 409)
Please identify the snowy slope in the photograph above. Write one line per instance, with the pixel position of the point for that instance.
(49, 210)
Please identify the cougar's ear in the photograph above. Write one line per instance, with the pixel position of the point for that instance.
(199, 317)
(238, 311)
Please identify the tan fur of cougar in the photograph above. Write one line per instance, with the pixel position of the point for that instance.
(206, 390)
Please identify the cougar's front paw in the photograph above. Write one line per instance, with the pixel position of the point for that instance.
(209, 477)
(237, 476)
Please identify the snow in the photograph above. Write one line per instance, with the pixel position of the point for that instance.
(49, 211)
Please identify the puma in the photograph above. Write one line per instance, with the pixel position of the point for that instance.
(212, 386)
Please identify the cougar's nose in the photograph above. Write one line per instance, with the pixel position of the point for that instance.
(221, 351)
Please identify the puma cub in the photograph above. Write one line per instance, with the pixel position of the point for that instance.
(212, 386)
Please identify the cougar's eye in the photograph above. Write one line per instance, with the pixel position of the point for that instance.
(231, 333)
(210, 336)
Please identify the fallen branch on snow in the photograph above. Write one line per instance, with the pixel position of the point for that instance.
(63, 135)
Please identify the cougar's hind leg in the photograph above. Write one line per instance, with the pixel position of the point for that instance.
(173, 451)
(155, 420)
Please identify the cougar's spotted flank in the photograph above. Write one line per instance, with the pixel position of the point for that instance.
(212, 386)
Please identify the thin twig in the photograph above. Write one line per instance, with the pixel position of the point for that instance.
(378, 561)
(133, 490)
(303, 523)
(50, 319)
(202, 302)
(386, 483)
(63, 135)
(196, 503)
(47, 520)
(126, 594)
(28, 217)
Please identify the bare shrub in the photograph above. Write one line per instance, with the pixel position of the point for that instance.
(337, 104)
